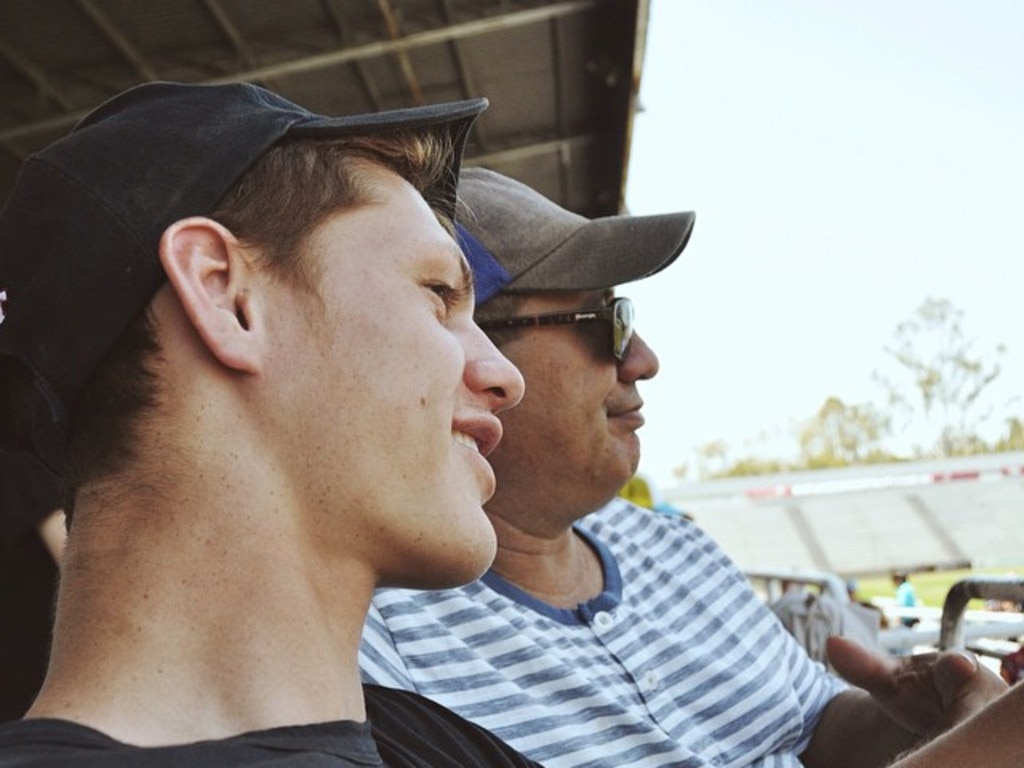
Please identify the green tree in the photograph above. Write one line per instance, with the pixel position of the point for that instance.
(947, 377)
(1013, 440)
(712, 459)
(841, 434)
(752, 465)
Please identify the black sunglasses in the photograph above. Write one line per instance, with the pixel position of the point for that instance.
(619, 312)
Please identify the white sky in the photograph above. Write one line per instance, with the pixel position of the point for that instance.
(846, 160)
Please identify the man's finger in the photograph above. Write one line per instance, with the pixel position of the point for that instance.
(874, 672)
(964, 685)
(953, 671)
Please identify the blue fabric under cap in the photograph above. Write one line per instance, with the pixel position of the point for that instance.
(489, 276)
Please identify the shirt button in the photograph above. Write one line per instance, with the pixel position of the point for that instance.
(603, 619)
(650, 680)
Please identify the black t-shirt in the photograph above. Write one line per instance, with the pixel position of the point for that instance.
(28, 579)
(404, 730)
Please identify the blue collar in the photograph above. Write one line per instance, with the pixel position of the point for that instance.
(583, 613)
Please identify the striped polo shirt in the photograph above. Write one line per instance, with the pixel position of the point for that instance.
(676, 663)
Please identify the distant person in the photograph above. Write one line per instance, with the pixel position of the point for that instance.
(906, 597)
(1011, 666)
(637, 490)
(812, 617)
(640, 491)
(876, 615)
(606, 634)
(851, 591)
(244, 334)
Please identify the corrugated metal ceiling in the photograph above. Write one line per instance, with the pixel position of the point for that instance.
(561, 76)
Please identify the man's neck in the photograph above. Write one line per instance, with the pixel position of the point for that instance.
(562, 571)
(204, 636)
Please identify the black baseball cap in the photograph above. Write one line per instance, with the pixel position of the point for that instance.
(79, 233)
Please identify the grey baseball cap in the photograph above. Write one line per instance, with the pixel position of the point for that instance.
(523, 242)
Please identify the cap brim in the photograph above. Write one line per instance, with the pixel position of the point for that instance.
(411, 118)
(608, 252)
(454, 118)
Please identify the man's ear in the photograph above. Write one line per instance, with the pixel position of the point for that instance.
(210, 274)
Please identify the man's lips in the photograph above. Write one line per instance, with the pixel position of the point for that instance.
(482, 433)
(632, 416)
(481, 441)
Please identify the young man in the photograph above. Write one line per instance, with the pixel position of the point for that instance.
(246, 338)
(605, 634)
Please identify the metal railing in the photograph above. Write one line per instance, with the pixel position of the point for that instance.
(951, 628)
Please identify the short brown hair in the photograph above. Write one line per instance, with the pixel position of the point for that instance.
(274, 208)
(297, 184)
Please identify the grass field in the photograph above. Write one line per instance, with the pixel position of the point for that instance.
(931, 586)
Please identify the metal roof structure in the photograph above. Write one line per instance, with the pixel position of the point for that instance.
(561, 77)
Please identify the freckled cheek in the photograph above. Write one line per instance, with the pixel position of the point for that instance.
(430, 378)
(434, 419)
(429, 416)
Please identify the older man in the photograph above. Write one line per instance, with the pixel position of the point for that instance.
(604, 634)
